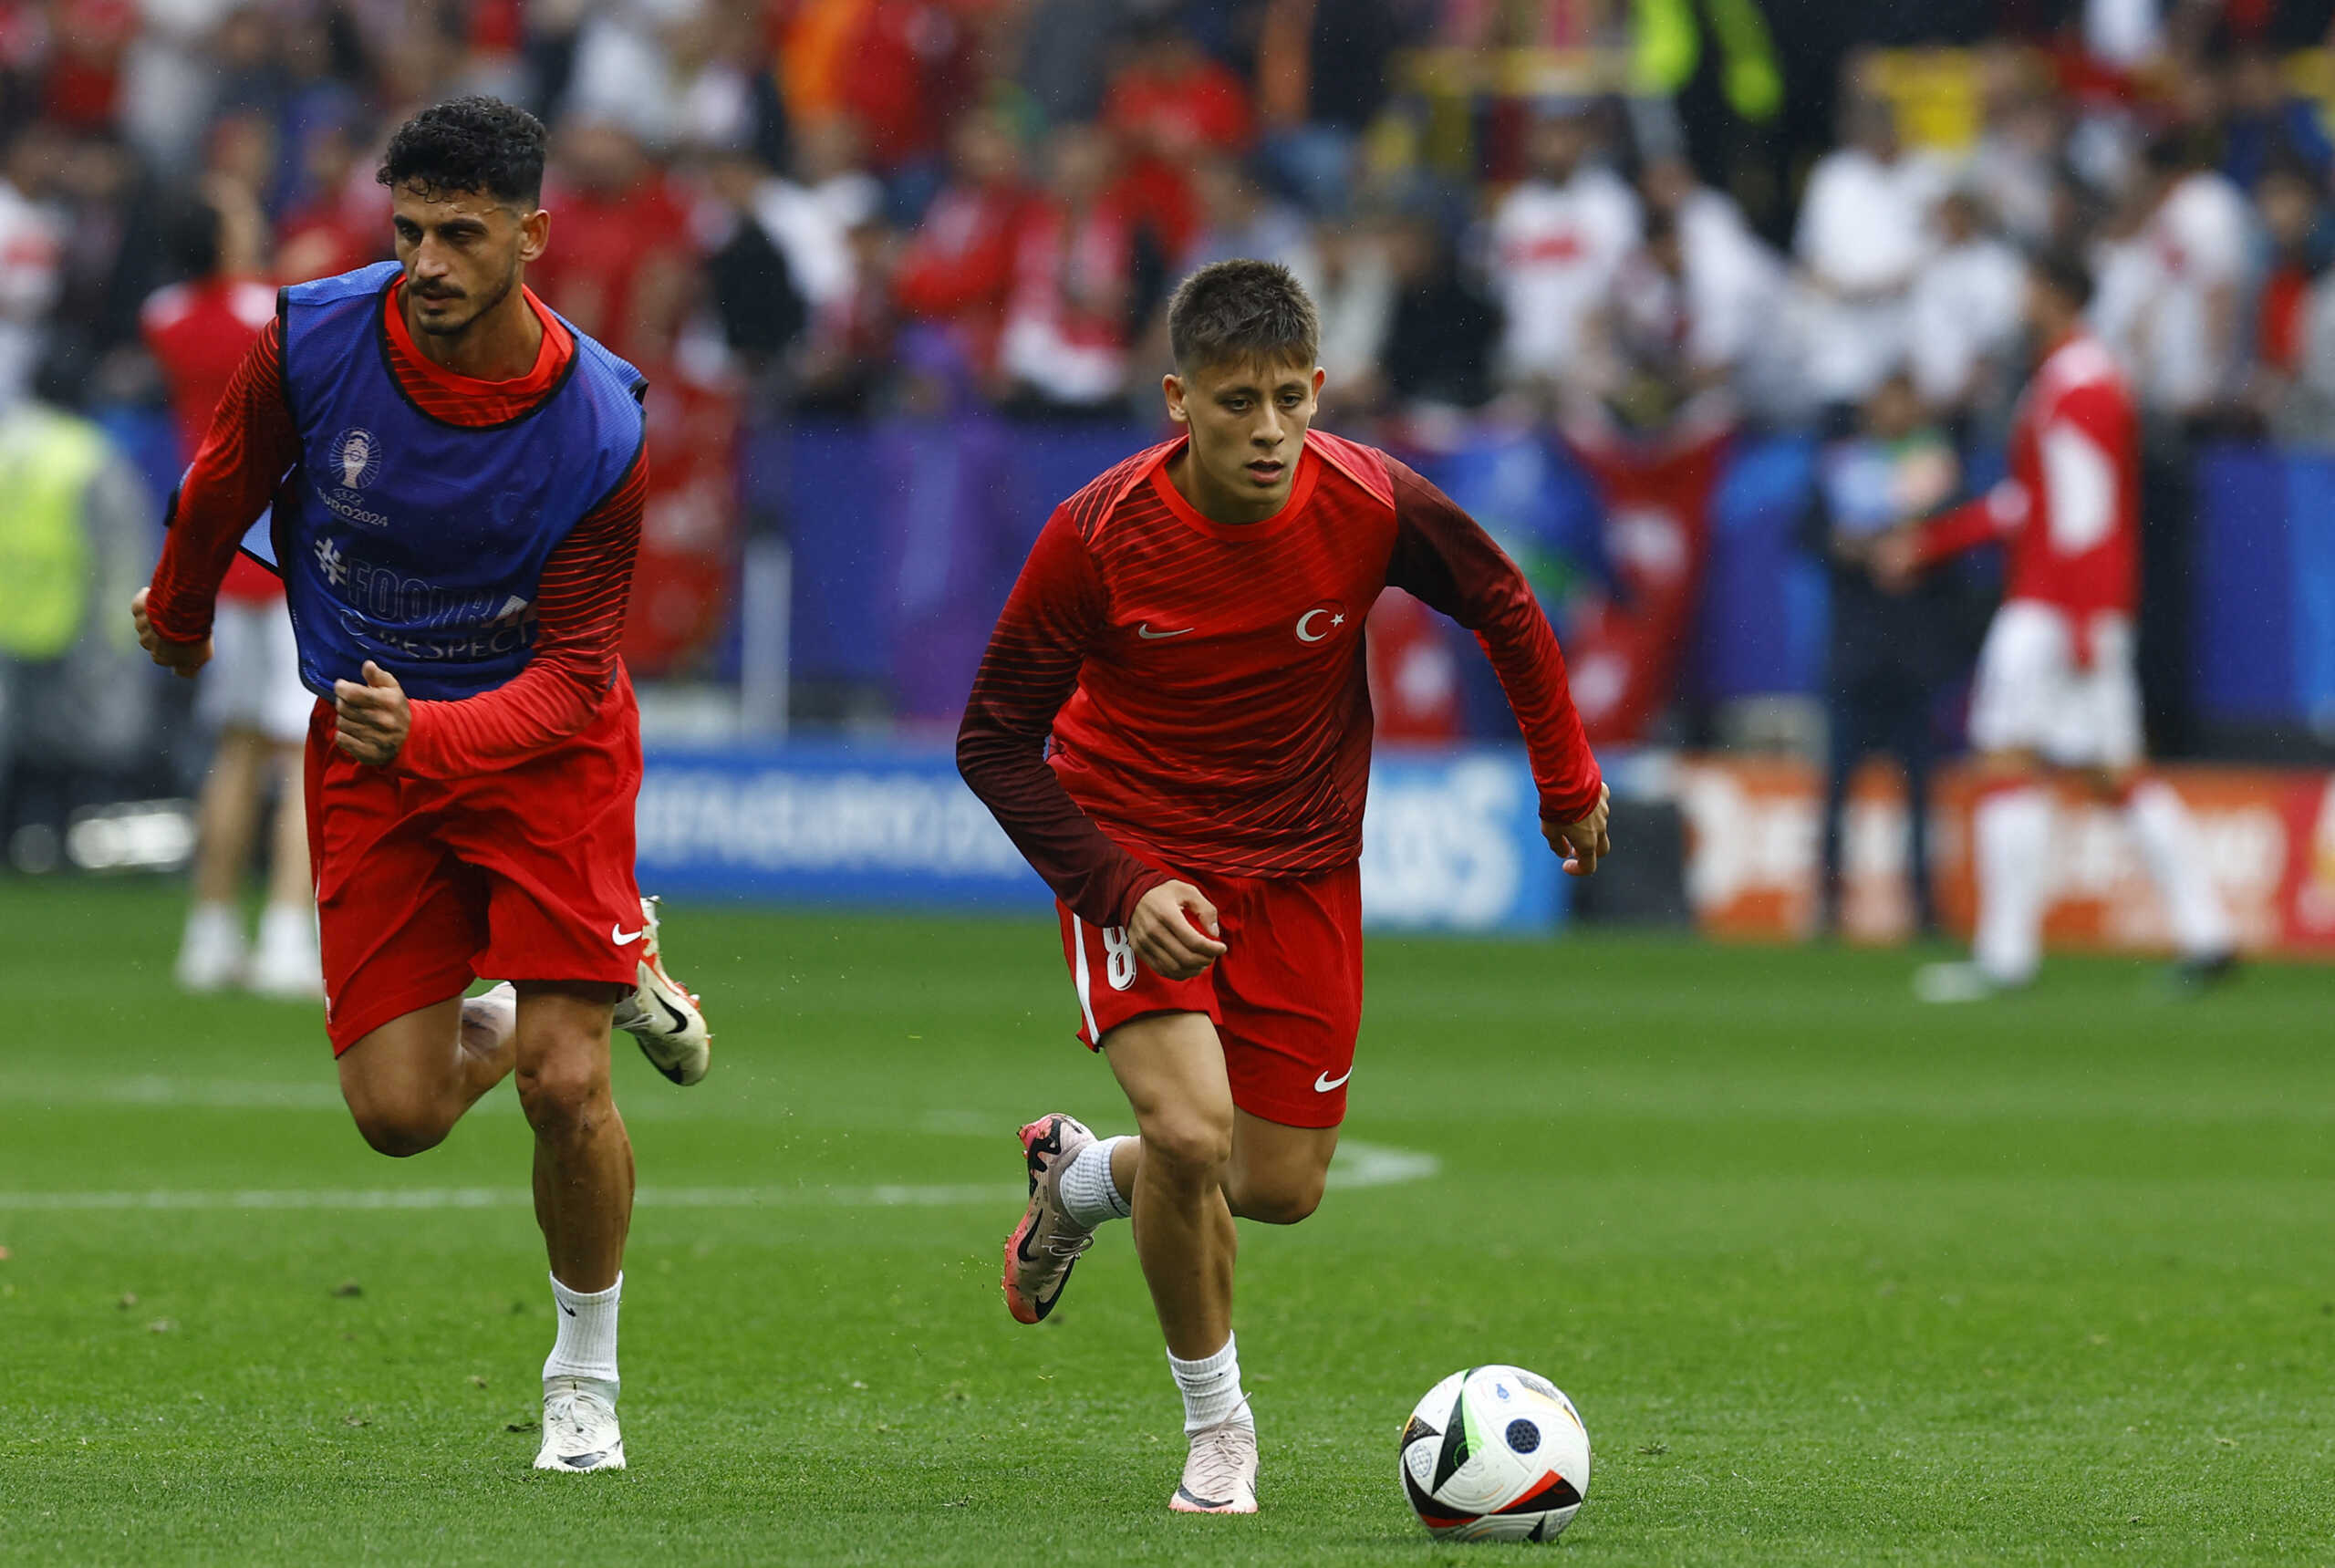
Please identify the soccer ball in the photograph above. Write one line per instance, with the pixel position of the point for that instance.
(1495, 1453)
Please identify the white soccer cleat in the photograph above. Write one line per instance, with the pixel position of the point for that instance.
(1047, 1244)
(1221, 1472)
(286, 968)
(1947, 983)
(580, 1432)
(662, 1015)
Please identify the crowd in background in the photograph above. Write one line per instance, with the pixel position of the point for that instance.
(1509, 211)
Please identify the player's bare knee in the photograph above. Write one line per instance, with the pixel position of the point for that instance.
(1283, 1199)
(564, 1092)
(399, 1126)
(1190, 1147)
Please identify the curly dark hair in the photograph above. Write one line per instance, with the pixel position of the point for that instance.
(1242, 309)
(469, 145)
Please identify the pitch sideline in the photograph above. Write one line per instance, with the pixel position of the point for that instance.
(1358, 1165)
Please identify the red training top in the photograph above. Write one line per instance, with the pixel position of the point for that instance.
(198, 333)
(580, 604)
(2070, 510)
(1204, 685)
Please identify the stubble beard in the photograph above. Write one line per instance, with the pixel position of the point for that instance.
(456, 329)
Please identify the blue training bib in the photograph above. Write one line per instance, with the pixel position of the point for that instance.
(417, 544)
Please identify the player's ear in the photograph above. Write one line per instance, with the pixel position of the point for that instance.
(1319, 375)
(1172, 386)
(535, 234)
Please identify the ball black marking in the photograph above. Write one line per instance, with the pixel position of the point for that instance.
(1523, 1436)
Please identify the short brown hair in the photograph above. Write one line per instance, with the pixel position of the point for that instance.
(1242, 309)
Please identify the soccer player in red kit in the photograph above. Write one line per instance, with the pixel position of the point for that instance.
(456, 478)
(198, 332)
(2056, 688)
(1172, 722)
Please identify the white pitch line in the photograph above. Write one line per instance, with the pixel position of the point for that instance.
(1357, 1165)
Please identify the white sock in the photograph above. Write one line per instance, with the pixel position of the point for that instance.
(288, 935)
(587, 1345)
(214, 925)
(2013, 830)
(490, 1017)
(2167, 836)
(1089, 1196)
(1211, 1389)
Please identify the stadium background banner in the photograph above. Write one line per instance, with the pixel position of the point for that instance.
(2267, 835)
(1451, 843)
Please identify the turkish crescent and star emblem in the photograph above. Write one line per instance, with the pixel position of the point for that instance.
(1321, 621)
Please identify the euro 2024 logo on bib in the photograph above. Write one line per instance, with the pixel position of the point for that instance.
(357, 454)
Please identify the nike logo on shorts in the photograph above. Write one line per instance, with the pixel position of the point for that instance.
(1145, 632)
(623, 938)
(1323, 1082)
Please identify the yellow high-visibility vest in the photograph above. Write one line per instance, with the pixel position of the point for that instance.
(47, 459)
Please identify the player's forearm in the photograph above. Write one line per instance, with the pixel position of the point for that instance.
(1007, 769)
(251, 444)
(1973, 523)
(535, 710)
(1531, 669)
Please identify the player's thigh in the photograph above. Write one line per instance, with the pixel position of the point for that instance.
(1288, 995)
(2018, 700)
(398, 1078)
(1170, 1065)
(397, 918)
(1113, 985)
(1278, 1172)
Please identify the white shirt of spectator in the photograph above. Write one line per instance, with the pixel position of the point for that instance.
(1733, 281)
(2194, 245)
(1864, 234)
(31, 249)
(1556, 250)
(811, 226)
(1966, 309)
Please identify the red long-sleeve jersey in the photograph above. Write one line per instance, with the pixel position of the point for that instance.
(1203, 685)
(2068, 512)
(253, 443)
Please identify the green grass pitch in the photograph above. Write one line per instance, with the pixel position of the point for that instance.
(1833, 1279)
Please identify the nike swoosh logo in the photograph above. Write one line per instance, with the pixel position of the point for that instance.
(1323, 1082)
(1148, 635)
(622, 938)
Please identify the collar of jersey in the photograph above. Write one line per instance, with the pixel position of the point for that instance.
(1300, 490)
(551, 356)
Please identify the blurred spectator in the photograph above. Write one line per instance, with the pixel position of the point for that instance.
(1064, 346)
(32, 250)
(251, 696)
(904, 70)
(340, 219)
(1347, 271)
(2269, 124)
(958, 265)
(620, 251)
(1891, 652)
(1862, 235)
(1727, 285)
(809, 216)
(2183, 334)
(1237, 218)
(76, 696)
(2293, 388)
(1558, 240)
(1322, 78)
(1441, 340)
(1966, 312)
(1065, 49)
(2015, 166)
(1172, 105)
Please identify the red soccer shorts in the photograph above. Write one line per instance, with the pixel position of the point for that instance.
(424, 885)
(1286, 997)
